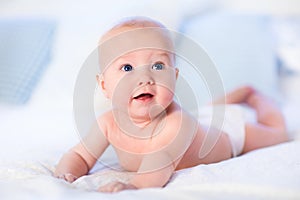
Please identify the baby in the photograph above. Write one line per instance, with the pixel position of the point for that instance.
(150, 133)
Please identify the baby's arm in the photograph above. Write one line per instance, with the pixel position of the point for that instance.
(71, 166)
(81, 158)
(155, 171)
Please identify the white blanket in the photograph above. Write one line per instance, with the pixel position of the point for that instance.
(269, 173)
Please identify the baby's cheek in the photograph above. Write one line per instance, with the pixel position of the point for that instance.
(166, 97)
(121, 94)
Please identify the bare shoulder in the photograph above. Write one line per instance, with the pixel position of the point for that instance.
(181, 123)
(180, 132)
(105, 121)
(178, 115)
(105, 116)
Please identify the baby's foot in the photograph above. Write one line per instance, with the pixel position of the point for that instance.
(256, 98)
(239, 95)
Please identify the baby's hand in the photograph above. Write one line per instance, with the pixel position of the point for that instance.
(116, 187)
(67, 177)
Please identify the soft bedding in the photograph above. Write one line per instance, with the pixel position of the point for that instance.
(269, 173)
(34, 136)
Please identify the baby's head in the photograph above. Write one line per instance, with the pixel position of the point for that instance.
(132, 34)
(130, 24)
(137, 61)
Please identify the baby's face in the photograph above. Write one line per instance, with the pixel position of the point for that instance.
(141, 81)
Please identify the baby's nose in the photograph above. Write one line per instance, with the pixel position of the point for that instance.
(145, 80)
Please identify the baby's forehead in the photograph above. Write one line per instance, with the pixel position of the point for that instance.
(136, 30)
(122, 40)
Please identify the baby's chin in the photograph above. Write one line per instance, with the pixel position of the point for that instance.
(140, 114)
(148, 113)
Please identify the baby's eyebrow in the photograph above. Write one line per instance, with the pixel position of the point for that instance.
(122, 59)
(163, 54)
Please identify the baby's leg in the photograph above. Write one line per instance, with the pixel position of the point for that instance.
(270, 128)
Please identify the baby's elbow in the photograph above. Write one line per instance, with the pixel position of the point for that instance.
(284, 137)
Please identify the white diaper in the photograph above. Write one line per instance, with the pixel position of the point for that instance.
(233, 123)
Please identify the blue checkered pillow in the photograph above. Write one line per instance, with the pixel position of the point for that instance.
(24, 54)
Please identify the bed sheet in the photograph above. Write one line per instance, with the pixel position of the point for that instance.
(269, 173)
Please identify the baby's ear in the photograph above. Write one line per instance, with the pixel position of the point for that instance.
(101, 84)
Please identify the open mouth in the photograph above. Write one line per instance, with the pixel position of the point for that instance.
(143, 96)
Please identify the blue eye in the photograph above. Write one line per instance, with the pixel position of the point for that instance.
(127, 68)
(158, 66)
